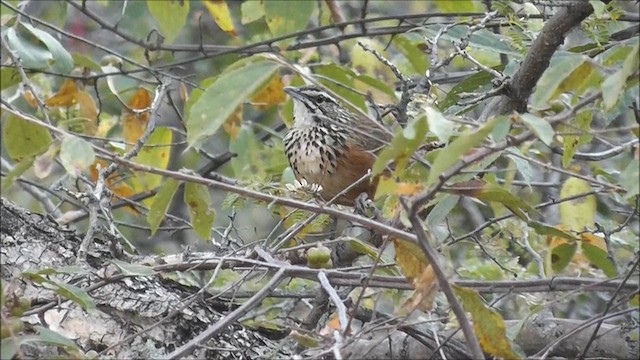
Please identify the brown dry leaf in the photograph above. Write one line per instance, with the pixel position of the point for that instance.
(221, 15)
(272, 94)
(333, 323)
(43, 164)
(184, 94)
(233, 123)
(419, 273)
(114, 183)
(594, 240)
(66, 95)
(562, 251)
(426, 288)
(88, 112)
(135, 124)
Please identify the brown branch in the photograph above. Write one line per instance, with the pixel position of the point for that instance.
(542, 49)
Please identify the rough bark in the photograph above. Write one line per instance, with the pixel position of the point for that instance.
(127, 305)
(32, 242)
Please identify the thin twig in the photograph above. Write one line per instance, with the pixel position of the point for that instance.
(425, 244)
(608, 307)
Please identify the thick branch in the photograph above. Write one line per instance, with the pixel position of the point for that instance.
(537, 60)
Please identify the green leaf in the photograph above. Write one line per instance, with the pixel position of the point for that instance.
(53, 338)
(161, 202)
(130, 269)
(61, 60)
(482, 39)
(410, 47)
(9, 77)
(18, 169)
(450, 154)
(599, 258)
(404, 144)
(455, 5)
(71, 269)
(56, 13)
(82, 60)
(23, 138)
(9, 347)
(599, 8)
(198, 199)
(570, 143)
(561, 67)
(75, 294)
(540, 127)
(575, 81)
(439, 125)
(76, 154)
(251, 11)
(544, 229)
(488, 325)
(613, 85)
(338, 76)
(561, 255)
(523, 166)
(67, 291)
(370, 251)
(487, 191)
(155, 153)
(170, 15)
(579, 213)
(31, 52)
(284, 17)
(376, 84)
(442, 208)
(629, 179)
(222, 97)
(472, 83)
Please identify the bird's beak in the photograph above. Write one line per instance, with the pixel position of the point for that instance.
(293, 92)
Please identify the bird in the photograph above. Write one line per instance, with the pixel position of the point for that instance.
(330, 146)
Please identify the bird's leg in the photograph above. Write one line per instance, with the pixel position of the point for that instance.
(366, 207)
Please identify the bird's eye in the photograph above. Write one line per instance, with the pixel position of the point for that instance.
(320, 99)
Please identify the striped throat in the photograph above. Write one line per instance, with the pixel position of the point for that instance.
(319, 134)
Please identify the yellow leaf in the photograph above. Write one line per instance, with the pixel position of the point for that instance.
(488, 325)
(88, 112)
(220, 12)
(156, 153)
(307, 340)
(273, 93)
(408, 189)
(135, 124)
(581, 212)
(410, 258)
(66, 95)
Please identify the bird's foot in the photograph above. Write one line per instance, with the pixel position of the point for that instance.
(366, 207)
